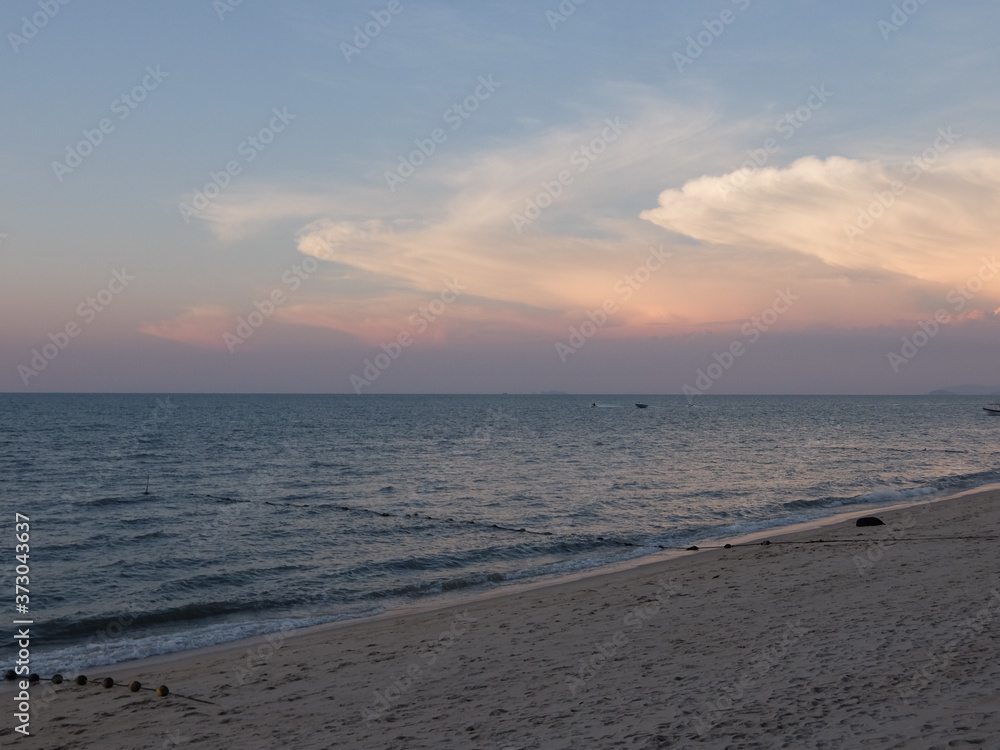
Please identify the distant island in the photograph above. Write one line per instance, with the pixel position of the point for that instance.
(967, 390)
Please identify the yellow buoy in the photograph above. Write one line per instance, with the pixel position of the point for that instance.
(162, 691)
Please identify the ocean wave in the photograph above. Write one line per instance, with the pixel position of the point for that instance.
(112, 649)
(877, 497)
(100, 628)
(103, 502)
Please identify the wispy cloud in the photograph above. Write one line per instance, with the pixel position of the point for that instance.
(249, 210)
(197, 326)
(452, 219)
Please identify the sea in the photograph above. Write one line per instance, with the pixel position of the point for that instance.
(162, 523)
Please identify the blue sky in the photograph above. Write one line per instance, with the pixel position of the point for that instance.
(835, 100)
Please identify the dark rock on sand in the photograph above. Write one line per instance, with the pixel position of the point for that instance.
(870, 521)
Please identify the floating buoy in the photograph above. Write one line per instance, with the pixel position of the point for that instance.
(107, 682)
(33, 678)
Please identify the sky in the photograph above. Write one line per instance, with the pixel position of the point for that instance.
(695, 196)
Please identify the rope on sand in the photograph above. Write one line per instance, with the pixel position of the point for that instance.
(424, 517)
(767, 543)
(481, 524)
(135, 686)
(620, 542)
(623, 543)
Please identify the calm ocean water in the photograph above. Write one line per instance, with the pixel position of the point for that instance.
(270, 511)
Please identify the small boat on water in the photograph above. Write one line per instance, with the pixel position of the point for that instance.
(992, 408)
(641, 406)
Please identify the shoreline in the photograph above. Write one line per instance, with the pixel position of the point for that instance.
(447, 602)
(663, 649)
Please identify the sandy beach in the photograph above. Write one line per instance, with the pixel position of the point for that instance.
(878, 637)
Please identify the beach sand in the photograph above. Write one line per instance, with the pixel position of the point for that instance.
(870, 639)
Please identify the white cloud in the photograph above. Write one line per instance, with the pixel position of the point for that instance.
(935, 226)
(451, 220)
